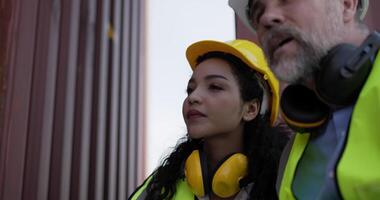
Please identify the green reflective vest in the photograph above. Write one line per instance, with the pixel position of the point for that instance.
(183, 191)
(358, 169)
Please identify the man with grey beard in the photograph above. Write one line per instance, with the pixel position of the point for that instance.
(329, 58)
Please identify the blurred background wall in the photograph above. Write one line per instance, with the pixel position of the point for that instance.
(72, 98)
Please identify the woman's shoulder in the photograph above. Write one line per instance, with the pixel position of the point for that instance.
(140, 191)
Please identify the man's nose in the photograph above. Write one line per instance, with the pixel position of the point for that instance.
(272, 16)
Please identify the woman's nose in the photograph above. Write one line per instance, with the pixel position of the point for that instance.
(194, 97)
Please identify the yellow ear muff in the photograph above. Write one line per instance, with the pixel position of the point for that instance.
(225, 182)
(193, 173)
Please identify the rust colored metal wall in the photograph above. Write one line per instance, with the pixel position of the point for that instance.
(71, 98)
(373, 16)
(16, 81)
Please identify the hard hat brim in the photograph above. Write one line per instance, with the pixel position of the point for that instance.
(241, 9)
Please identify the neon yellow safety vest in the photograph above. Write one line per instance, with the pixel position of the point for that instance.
(183, 191)
(358, 169)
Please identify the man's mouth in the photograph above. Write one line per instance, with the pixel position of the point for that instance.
(279, 41)
(283, 42)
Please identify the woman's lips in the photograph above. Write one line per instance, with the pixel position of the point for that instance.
(194, 114)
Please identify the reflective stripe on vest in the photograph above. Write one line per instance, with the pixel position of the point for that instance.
(295, 154)
(140, 194)
(358, 173)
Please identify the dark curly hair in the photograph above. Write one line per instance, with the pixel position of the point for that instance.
(262, 144)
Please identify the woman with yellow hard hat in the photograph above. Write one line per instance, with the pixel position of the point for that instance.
(231, 150)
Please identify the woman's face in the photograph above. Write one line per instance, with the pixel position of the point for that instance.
(213, 106)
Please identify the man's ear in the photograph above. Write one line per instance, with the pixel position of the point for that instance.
(349, 10)
(251, 110)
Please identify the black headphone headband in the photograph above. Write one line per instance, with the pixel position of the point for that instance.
(344, 70)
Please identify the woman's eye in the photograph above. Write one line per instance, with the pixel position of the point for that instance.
(215, 87)
(189, 90)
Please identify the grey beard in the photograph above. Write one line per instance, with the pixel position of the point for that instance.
(312, 46)
(304, 63)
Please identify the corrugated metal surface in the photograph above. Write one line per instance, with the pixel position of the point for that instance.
(72, 106)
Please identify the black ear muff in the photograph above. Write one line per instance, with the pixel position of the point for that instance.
(338, 83)
(301, 108)
(344, 71)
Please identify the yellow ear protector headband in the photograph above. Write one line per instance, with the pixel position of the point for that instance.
(224, 181)
(343, 72)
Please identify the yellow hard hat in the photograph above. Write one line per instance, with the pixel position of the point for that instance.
(250, 54)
